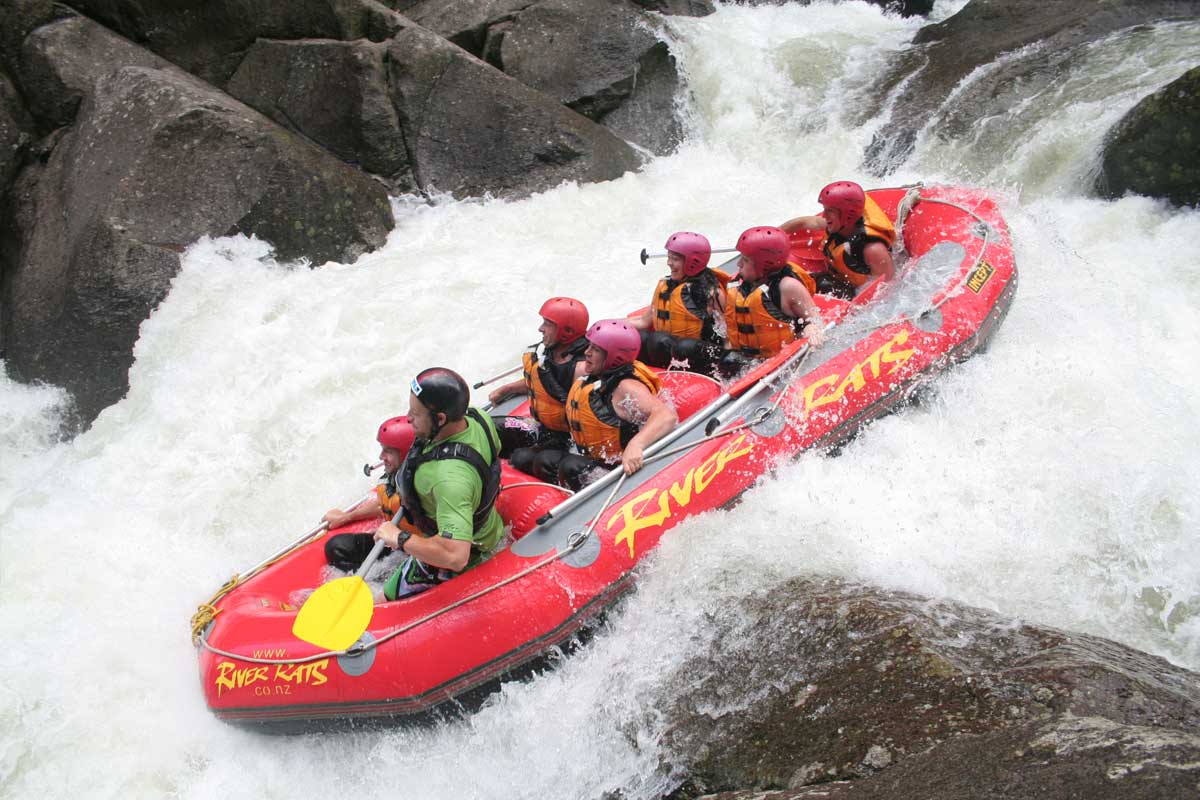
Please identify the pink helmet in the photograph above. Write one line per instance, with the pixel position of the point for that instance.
(846, 196)
(397, 434)
(766, 246)
(618, 340)
(695, 249)
(570, 315)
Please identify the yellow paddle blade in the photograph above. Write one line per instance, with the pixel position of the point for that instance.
(335, 615)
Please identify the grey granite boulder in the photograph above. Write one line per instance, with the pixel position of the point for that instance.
(151, 160)
(861, 693)
(16, 131)
(336, 94)
(947, 52)
(210, 38)
(1153, 149)
(471, 129)
(597, 56)
(601, 58)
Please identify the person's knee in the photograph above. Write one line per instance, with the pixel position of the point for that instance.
(575, 471)
(523, 458)
(698, 355)
(732, 362)
(546, 465)
(656, 348)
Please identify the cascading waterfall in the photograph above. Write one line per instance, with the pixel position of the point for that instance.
(1050, 479)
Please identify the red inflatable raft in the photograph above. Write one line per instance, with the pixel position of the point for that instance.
(572, 556)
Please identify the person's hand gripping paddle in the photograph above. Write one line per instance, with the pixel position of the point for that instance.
(336, 614)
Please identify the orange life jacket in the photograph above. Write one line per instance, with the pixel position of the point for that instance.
(389, 502)
(754, 320)
(844, 254)
(595, 426)
(549, 383)
(682, 309)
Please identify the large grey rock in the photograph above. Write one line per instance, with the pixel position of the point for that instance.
(334, 93)
(595, 56)
(210, 38)
(947, 52)
(60, 63)
(905, 8)
(600, 58)
(16, 131)
(471, 130)
(1152, 150)
(153, 160)
(18, 18)
(467, 23)
(679, 8)
(900, 696)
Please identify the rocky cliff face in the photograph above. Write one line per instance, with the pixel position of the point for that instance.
(128, 131)
(343, 101)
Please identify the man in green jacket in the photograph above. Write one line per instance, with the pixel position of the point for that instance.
(449, 484)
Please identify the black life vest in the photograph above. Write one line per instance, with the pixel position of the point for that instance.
(489, 475)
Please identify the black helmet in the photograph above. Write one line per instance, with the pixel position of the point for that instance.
(442, 390)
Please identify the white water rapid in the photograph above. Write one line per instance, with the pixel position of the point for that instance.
(1052, 479)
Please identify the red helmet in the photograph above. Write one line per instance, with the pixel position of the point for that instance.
(846, 196)
(570, 315)
(618, 340)
(397, 434)
(767, 247)
(693, 247)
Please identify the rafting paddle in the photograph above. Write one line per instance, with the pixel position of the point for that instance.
(336, 614)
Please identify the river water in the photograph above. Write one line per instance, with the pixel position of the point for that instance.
(1051, 479)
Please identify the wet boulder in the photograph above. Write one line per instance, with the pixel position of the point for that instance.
(151, 160)
(874, 694)
(600, 58)
(334, 93)
(678, 8)
(905, 8)
(946, 53)
(16, 131)
(470, 129)
(597, 57)
(1152, 150)
(209, 39)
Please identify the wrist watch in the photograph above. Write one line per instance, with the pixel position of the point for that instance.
(402, 539)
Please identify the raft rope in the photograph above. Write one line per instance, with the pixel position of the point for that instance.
(206, 612)
(574, 542)
(984, 230)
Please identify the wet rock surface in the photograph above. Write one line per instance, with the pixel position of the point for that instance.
(471, 129)
(946, 53)
(1152, 150)
(469, 97)
(147, 160)
(601, 58)
(856, 692)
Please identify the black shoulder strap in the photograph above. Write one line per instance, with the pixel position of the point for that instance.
(489, 474)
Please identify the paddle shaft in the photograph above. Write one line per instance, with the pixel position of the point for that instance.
(375, 551)
(647, 255)
(379, 545)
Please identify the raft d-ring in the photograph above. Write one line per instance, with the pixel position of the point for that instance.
(581, 550)
(768, 421)
(359, 657)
